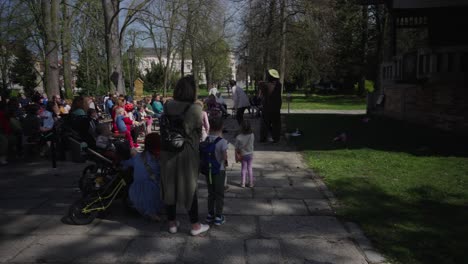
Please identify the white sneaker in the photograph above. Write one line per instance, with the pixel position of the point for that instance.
(173, 229)
(203, 228)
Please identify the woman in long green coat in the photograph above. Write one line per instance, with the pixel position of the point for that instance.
(179, 170)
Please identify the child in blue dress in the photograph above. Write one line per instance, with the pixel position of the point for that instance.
(144, 192)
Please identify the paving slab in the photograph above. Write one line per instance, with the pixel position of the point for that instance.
(302, 182)
(238, 192)
(19, 206)
(54, 207)
(154, 250)
(271, 182)
(236, 226)
(60, 225)
(301, 227)
(237, 206)
(11, 245)
(264, 192)
(263, 251)
(101, 249)
(319, 206)
(321, 251)
(374, 256)
(222, 251)
(55, 248)
(20, 224)
(126, 227)
(289, 207)
(299, 193)
(273, 173)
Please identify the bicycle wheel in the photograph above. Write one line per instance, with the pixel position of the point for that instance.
(77, 216)
(86, 182)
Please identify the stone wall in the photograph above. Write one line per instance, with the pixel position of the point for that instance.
(440, 102)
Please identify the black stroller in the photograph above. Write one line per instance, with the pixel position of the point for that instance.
(100, 185)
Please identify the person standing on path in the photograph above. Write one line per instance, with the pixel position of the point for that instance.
(215, 170)
(244, 148)
(179, 170)
(270, 94)
(241, 101)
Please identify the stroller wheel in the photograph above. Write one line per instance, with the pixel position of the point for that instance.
(86, 182)
(77, 215)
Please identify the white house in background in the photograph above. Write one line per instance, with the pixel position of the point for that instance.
(149, 56)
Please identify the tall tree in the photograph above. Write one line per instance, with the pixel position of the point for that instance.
(113, 45)
(50, 13)
(66, 48)
(114, 37)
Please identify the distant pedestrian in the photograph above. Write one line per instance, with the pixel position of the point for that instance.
(244, 151)
(270, 94)
(241, 101)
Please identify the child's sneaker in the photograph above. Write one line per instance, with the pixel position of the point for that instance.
(173, 229)
(219, 220)
(209, 219)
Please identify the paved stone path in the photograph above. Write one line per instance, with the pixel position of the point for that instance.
(284, 219)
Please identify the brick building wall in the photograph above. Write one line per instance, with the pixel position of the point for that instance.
(441, 102)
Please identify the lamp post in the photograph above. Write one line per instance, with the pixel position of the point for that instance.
(131, 58)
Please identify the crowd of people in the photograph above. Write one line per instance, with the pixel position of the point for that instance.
(163, 178)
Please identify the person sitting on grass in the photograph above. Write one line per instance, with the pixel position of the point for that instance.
(144, 192)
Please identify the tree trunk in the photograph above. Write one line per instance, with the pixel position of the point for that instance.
(66, 50)
(364, 37)
(114, 57)
(382, 24)
(50, 10)
(283, 45)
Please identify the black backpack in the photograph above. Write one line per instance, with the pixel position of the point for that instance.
(173, 131)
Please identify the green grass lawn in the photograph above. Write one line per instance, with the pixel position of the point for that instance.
(407, 186)
(325, 102)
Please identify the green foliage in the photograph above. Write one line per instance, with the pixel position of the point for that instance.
(202, 87)
(154, 78)
(23, 72)
(368, 86)
(217, 62)
(14, 93)
(90, 77)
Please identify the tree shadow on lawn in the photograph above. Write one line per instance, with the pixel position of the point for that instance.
(430, 227)
(377, 133)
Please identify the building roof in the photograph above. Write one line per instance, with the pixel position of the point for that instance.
(151, 52)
